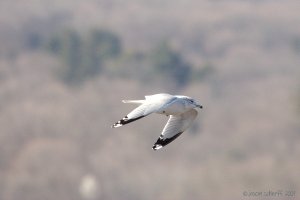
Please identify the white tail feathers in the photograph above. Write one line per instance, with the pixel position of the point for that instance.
(134, 101)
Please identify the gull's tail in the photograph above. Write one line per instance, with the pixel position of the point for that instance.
(134, 101)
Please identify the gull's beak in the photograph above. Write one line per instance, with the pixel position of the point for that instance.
(199, 106)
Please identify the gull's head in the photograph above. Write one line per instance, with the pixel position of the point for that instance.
(191, 102)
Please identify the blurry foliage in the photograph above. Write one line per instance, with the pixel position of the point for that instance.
(237, 154)
(71, 53)
(130, 65)
(171, 64)
(103, 44)
(297, 101)
(161, 65)
(296, 44)
(206, 70)
(83, 56)
(86, 55)
(33, 40)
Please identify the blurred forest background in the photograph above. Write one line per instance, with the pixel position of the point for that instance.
(65, 66)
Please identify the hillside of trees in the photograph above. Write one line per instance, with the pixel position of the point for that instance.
(66, 65)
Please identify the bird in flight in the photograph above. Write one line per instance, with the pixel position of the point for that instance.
(180, 109)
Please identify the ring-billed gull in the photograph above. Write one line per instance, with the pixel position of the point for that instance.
(181, 110)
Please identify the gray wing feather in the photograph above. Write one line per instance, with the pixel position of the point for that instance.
(175, 126)
(142, 110)
(159, 96)
(152, 104)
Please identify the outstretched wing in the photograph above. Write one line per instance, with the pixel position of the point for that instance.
(134, 115)
(175, 126)
(149, 106)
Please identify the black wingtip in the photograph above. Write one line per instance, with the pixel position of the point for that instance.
(161, 141)
(124, 121)
(156, 147)
(117, 124)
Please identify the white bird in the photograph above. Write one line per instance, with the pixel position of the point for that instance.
(181, 110)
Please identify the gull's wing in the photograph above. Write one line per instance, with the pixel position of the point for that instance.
(159, 96)
(134, 115)
(149, 106)
(175, 126)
